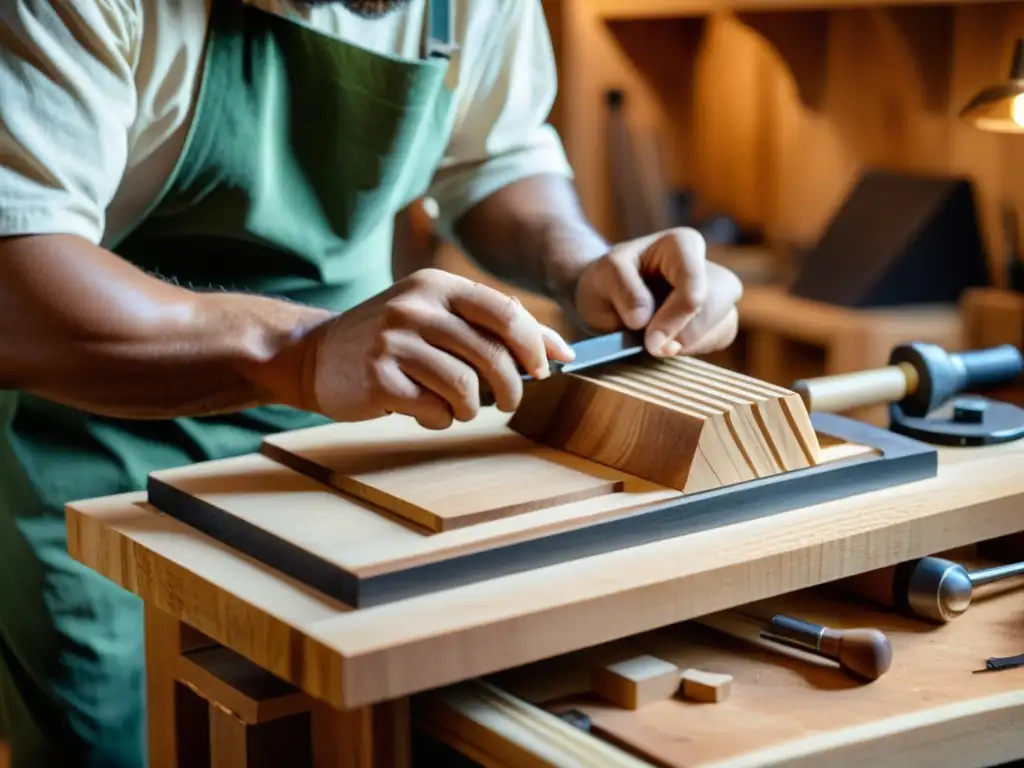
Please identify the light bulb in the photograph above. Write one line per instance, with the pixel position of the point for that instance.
(1017, 110)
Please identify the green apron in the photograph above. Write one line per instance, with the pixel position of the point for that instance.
(302, 150)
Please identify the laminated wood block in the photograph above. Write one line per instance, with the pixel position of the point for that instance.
(441, 480)
(679, 422)
(636, 682)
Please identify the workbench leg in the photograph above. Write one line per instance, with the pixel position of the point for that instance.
(177, 719)
(371, 737)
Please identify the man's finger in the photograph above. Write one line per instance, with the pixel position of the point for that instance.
(488, 356)
(505, 318)
(448, 377)
(725, 292)
(627, 292)
(679, 258)
(404, 396)
(717, 338)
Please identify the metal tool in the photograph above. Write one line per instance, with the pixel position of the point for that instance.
(603, 349)
(921, 383)
(940, 590)
(931, 588)
(865, 654)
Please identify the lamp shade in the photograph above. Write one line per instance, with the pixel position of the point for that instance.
(1000, 108)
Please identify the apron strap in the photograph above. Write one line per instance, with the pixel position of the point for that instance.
(439, 29)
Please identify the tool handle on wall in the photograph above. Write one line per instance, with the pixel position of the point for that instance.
(992, 366)
(845, 391)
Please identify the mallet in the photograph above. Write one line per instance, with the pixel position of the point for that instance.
(932, 588)
(919, 378)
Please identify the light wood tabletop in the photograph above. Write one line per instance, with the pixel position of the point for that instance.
(351, 658)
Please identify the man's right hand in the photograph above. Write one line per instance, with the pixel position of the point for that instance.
(423, 348)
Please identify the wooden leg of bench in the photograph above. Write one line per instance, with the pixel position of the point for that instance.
(370, 737)
(229, 746)
(175, 716)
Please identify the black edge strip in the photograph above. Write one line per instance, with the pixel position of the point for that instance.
(255, 542)
(903, 460)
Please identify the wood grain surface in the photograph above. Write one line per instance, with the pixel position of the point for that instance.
(355, 657)
(683, 423)
(442, 480)
(363, 555)
(790, 709)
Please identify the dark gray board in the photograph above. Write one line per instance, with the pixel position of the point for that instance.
(901, 460)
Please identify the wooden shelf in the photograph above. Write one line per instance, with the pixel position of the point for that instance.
(798, 33)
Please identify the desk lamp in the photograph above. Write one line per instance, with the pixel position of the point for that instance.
(1000, 109)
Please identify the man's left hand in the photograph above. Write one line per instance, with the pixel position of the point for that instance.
(698, 316)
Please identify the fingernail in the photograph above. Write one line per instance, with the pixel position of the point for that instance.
(672, 348)
(656, 340)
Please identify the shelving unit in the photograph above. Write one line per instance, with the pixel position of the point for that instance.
(769, 109)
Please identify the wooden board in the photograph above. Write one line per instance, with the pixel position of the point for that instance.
(680, 422)
(349, 550)
(789, 710)
(442, 480)
(351, 658)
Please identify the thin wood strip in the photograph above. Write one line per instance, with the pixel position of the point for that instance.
(512, 732)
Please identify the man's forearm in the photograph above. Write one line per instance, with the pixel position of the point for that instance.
(533, 234)
(80, 326)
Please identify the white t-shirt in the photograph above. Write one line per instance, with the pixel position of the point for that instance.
(96, 99)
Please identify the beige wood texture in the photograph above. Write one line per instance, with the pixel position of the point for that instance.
(363, 539)
(498, 730)
(771, 116)
(700, 685)
(441, 480)
(681, 422)
(351, 658)
(635, 682)
(992, 317)
(787, 709)
(780, 329)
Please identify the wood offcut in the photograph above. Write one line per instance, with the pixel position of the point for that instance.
(680, 422)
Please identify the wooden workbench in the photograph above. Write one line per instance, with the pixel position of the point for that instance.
(358, 666)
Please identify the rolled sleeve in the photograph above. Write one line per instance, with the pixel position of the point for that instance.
(67, 102)
(501, 133)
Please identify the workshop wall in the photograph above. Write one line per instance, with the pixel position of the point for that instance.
(770, 116)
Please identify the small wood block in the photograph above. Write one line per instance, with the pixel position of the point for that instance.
(441, 480)
(706, 686)
(636, 682)
(680, 422)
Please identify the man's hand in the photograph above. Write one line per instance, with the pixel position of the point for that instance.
(699, 315)
(423, 348)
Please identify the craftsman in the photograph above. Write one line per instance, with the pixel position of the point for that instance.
(197, 203)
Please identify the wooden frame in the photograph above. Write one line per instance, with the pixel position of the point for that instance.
(898, 461)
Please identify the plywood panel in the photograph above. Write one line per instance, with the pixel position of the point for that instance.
(359, 554)
(442, 480)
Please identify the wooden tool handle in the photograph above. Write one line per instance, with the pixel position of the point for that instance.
(844, 391)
